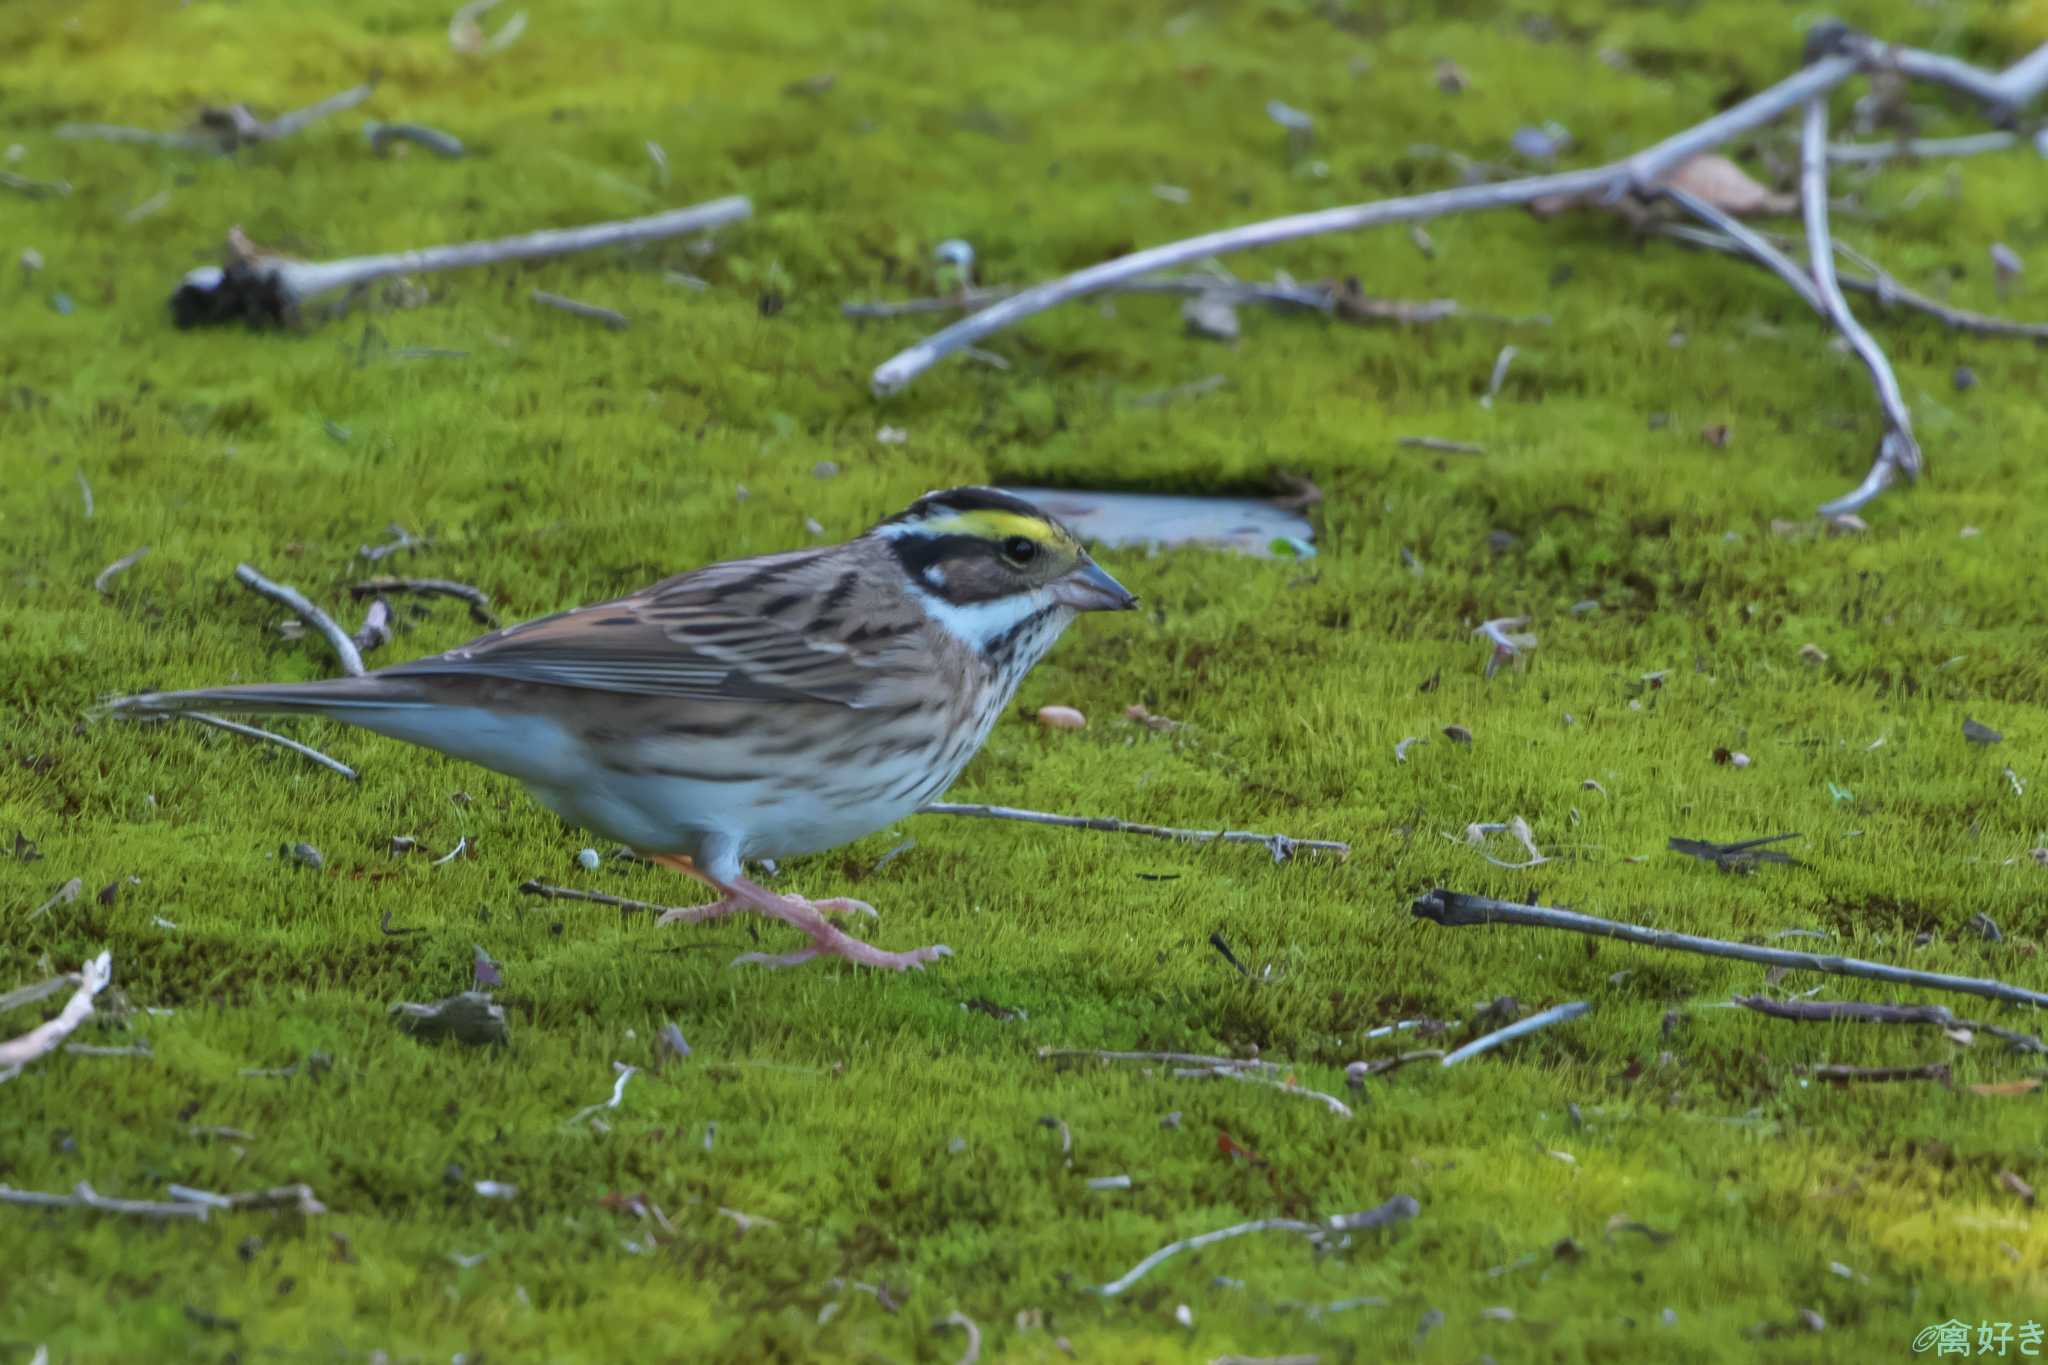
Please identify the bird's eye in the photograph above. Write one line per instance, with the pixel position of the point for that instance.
(1020, 549)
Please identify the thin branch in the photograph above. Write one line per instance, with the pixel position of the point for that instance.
(1938, 1015)
(956, 1318)
(1557, 1014)
(84, 1196)
(1281, 846)
(1639, 172)
(1437, 443)
(1455, 909)
(1330, 1102)
(1395, 1210)
(235, 727)
(116, 569)
(1183, 1058)
(1868, 153)
(479, 601)
(610, 317)
(28, 995)
(1747, 241)
(1898, 451)
(1930, 1071)
(297, 602)
(43, 1039)
(1848, 1009)
(33, 188)
(262, 287)
(184, 1203)
(223, 130)
(382, 135)
(568, 893)
(1884, 286)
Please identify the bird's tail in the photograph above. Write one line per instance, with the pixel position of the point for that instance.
(344, 699)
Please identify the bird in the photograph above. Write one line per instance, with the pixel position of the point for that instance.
(756, 709)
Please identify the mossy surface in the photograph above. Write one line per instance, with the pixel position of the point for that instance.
(891, 1133)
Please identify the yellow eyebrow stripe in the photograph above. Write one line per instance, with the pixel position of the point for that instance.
(998, 526)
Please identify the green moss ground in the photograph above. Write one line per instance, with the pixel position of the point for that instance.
(894, 1136)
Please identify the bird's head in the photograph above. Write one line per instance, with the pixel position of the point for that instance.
(968, 548)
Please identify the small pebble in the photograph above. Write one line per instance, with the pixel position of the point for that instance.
(588, 860)
(1964, 379)
(1184, 1315)
(1061, 718)
(825, 469)
(892, 436)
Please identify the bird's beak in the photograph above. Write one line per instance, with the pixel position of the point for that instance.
(1088, 588)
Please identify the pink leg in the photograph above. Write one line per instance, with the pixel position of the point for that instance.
(825, 938)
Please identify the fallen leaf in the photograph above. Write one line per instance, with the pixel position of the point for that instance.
(1728, 187)
(2023, 1086)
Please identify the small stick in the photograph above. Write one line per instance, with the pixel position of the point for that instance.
(1500, 375)
(1281, 846)
(1886, 287)
(1930, 1071)
(1384, 1065)
(1456, 909)
(402, 539)
(626, 1073)
(1185, 1058)
(297, 603)
(34, 189)
(95, 1050)
(1885, 1014)
(305, 751)
(382, 135)
(1899, 452)
(479, 600)
(28, 995)
(1641, 171)
(1331, 1102)
(1848, 1009)
(225, 129)
(1557, 1014)
(43, 1039)
(1440, 444)
(956, 1318)
(1400, 1207)
(610, 317)
(567, 893)
(116, 569)
(262, 287)
(1866, 153)
(84, 1196)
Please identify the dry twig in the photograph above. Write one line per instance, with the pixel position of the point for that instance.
(116, 569)
(184, 1203)
(296, 602)
(1456, 909)
(1842, 1075)
(479, 601)
(570, 893)
(263, 288)
(1836, 54)
(1938, 1015)
(236, 727)
(1395, 1210)
(1557, 1014)
(223, 129)
(1281, 846)
(610, 317)
(43, 1039)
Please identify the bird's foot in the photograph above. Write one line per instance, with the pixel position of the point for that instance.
(827, 939)
(697, 914)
